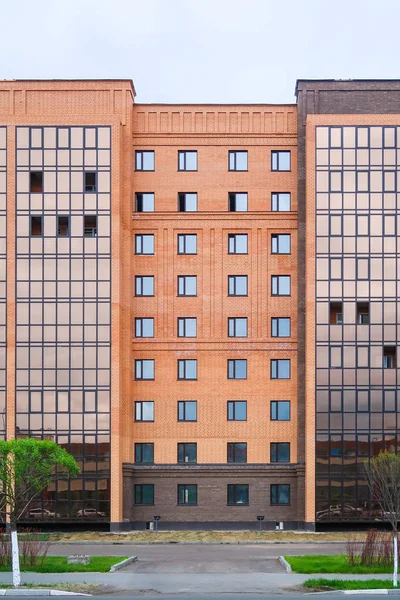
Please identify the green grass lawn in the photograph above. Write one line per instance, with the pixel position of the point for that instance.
(338, 584)
(58, 564)
(330, 564)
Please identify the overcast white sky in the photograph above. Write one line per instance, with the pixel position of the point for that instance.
(233, 51)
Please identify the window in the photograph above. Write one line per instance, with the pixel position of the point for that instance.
(187, 160)
(187, 494)
(280, 285)
(144, 494)
(90, 181)
(280, 243)
(237, 285)
(280, 160)
(36, 226)
(144, 285)
(187, 243)
(62, 226)
(363, 313)
(237, 243)
(280, 368)
(36, 182)
(187, 453)
(187, 410)
(144, 243)
(237, 160)
(144, 453)
(144, 327)
(145, 202)
(280, 410)
(238, 494)
(280, 452)
(280, 493)
(90, 226)
(144, 369)
(187, 327)
(237, 410)
(144, 411)
(187, 285)
(237, 327)
(389, 357)
(237, 368)
(237, 452)
(144, 160)
(280, 327)
(187, 369)
(237, 202)
(280, 202)
(335, 313)
(187, 202)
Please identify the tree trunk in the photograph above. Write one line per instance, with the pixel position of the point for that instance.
(395, 559)
(16, 573)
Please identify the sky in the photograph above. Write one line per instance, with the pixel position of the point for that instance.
(200, 51)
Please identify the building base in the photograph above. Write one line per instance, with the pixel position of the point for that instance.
(209, 526)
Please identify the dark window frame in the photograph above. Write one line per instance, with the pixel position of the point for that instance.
(232, 451)
(90, 188)
(232, 202)
(186, 485)
(274, 450)
(183, 236)
(68, 229)
(232, 279)
(277, 154)
(232, 236)
(277, 402)
(139, 488)
(234, 360)
(278, 326)
(139, 450)
(182, 202)
(140, 295)
(183, 403)
(275, 198)
(139, 202)
(182, 278)
(233, 404)
(182, 446)
(141, 420)
(139, 236)
(234, 319)
(277, 360)
(140, 153)
(141, 360)
(32, 176)
(183, 320)
(184, 360)
(93, 228)
(277, 486)
(233, 486)
(36, 235)
(276, 279)
(140, 319)
(275, 237)
(184, 153)
(233, 153)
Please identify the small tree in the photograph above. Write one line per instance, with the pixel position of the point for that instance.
(382, 473)
(27, 466)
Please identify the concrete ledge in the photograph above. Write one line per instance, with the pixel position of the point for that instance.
(21, 591)
(285, 564)
(123, 564)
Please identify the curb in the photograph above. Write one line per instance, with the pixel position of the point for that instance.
(285, 564)
(38, 592)
(123, 564)
(133, 543)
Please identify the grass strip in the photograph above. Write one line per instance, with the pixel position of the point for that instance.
(348, 584)
(58, 564)
(337, 563)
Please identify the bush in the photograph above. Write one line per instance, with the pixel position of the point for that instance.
(32, 548)
(375, 549)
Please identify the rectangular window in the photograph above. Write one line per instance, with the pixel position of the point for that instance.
(280, 243)
(144, 369)
(187, 410)
(187, 369)
(238, 494)
(144, 494)
(144, 453)
(237, 410)
(36, 402)
(280, 368)
(187, 494)
(187, 202)
(187, 160)
(90, 181)
(280, 452)
(335, 313)
(237, 160)
(144, 160)
(280, 494)
(144, 411)
(144, 243)
(362, 268)
(187, 243)
(237, 285)
(280, 327)
(187, 327)
(363, 313)
(237, 243)
(280, 285)
(237, 202)
(89, 401)
(389, 357)
(144, 327)
(145, 202)
(36, 226)
(187, 285)
(335, 354)
(36, 182)
(280, 160)
(90, 226)
(62, 226)
(362, 357)
(280, 410)
(187, 453)
(237, 368)
(144, 285)
(237, 327)
(237, 452)
(280, 202)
